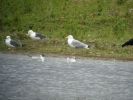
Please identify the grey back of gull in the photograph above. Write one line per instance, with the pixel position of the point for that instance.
(40, 36)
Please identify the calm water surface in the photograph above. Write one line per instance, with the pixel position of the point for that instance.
(23, 78)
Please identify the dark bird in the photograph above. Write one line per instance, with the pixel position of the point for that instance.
(129, 42)
(12, 43)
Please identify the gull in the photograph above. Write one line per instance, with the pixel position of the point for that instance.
(71, 59)
(42, 57)
(35, 36)
(11, 43)
(76, 43)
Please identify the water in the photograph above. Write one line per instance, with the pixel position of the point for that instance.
(23, 78)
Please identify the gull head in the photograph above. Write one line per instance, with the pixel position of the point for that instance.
(69, 37)
(30, 32)
(8, 37)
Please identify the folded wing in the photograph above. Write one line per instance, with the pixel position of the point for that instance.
(40, 36)
(78, 44)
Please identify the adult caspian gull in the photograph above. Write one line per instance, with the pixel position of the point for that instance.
(12, 43)
(75, 43)
(36, 36)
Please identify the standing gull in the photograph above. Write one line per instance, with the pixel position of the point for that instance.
(35, 36)
(75, 43)
(11, 43)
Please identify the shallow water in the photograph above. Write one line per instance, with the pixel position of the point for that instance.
(23, 78)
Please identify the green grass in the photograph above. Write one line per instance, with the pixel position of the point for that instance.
(105, 24)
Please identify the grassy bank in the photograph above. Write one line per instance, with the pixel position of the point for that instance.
(105, 24)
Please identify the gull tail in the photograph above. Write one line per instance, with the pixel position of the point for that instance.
(87, 47)
(21, 44)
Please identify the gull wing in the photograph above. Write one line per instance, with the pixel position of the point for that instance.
(14, 43)
(78, 44)
(40, 36)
